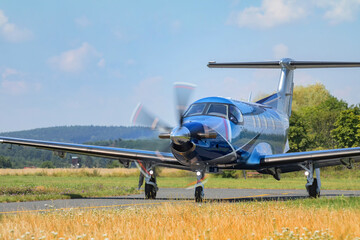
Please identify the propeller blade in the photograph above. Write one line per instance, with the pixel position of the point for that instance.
(142, 117)
(183, 93)
(142, 169)
(195, 184)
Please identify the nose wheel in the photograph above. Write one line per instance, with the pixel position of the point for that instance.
(199, 187)
(199, 194)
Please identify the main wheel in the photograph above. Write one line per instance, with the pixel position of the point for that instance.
(199, 194)
(313, 190)
(150, 191)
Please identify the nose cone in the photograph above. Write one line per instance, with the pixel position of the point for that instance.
(180, 135)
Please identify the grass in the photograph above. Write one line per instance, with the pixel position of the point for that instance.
(336, 218)
(45, 184)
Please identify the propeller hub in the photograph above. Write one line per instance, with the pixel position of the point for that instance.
(180, 135)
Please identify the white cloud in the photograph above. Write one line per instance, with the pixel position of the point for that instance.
(14, 87)
(82, 21)
(280, 51)
(12, 33)
(101, 63)
(271, 13)
(77, 59)
(14, 82)
(8, 72)
(338, 11)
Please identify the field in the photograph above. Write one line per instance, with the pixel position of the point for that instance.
(40, 184)
(299, 219)
(335, 218)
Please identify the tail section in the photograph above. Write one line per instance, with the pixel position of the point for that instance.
(282, 99)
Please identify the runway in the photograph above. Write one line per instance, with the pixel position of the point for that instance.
(174, 195)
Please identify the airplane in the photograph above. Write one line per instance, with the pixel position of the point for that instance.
(217, 133)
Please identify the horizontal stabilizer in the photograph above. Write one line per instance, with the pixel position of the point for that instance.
(291, 64)
(282, 99)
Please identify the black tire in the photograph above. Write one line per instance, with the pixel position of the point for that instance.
(198, 194)
(150, 191)
(313, 189)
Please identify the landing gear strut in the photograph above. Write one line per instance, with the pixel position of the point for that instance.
(147, 173)
(313, 184)
(199, 187)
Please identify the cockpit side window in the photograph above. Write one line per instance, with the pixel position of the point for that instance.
(235, 115)
(216, 109)
(195, 109)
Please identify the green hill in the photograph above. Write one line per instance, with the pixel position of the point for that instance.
(82, 134)
(129, 137)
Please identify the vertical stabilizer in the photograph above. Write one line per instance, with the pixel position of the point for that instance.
(286, 87)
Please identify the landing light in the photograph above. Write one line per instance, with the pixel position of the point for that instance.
(151, 172)
(307, 173)
(198, 173)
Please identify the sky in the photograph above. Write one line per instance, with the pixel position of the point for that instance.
(91, 62)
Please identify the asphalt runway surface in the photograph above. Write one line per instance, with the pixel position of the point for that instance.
(173, 195)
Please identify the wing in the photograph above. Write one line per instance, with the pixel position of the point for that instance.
(289, 162)
(159, 158)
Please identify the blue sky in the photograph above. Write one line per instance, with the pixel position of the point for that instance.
(91, 62)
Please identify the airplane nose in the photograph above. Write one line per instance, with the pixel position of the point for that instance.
(180, 135)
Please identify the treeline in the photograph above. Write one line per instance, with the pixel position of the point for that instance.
(20, 156)
(321, 121)
(82, 134)
(13, 156)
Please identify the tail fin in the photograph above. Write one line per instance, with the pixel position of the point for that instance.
(282, 99)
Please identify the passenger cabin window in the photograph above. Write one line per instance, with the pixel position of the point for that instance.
(195, 109)
(235, 115)
(217, 110)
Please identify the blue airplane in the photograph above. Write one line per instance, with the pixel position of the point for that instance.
(217, 133)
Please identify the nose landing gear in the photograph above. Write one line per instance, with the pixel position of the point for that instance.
(199, 187)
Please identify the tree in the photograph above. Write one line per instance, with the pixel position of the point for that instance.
(320, 120)
(309, 96)
(298, 134)
(113, 164)
(347, 128)
(5, 162)
(47, 164)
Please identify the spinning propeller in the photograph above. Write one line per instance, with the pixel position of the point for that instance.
(143, 117)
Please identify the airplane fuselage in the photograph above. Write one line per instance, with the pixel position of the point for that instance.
(243, 132)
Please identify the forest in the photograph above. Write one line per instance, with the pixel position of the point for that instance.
(318, 121)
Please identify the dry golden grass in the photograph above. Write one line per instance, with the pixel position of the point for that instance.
(114, 172)
(260, 220)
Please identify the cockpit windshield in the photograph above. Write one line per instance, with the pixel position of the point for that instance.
(195, 109)
(218, 109)
(215, 109)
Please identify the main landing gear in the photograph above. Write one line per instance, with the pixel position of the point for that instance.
(313, 184)
(151, 187)
(149, 175)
